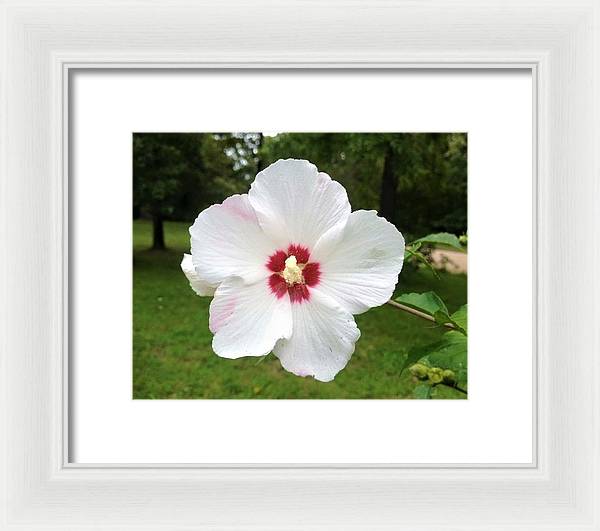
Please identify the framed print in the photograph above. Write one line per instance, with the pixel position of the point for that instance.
(170, 358)
(306, 266)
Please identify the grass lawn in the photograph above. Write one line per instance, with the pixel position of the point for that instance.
(172, 355)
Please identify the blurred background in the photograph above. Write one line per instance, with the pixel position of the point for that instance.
(418, 181)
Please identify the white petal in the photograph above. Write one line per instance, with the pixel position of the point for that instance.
(322, 341)
(361, 270)
(297, 204)
(227, 240)
(199, 286)
(247, 320)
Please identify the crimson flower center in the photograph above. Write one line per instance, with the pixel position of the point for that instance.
(293, 273)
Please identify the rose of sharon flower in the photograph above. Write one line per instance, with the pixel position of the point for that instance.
(289, 264)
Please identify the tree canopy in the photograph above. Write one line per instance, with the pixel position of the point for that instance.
(418, 181)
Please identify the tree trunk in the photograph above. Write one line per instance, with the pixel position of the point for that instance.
(158, 233)
(389, 187)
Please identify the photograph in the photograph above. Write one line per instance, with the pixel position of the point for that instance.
(299, 265)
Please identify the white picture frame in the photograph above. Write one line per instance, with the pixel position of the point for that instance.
(42, 40)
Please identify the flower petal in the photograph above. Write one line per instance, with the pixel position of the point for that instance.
(360, 270)
(198, 285)
(322, 341)
(227, 240)
(247, 320)
(297, 204)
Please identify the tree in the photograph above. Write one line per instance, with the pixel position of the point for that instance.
(174, 176)
(418, 181)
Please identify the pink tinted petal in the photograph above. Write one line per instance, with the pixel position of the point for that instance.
(220, 313)
(322, 341)
(228, 240)
(247, 319)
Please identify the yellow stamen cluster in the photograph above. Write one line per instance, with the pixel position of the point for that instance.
(292, 272)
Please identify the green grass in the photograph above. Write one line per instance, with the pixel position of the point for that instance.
(172, 355)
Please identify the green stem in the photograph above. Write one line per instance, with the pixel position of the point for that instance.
(418, 313)
(455, 387)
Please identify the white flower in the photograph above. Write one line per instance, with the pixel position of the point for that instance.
(288, 265)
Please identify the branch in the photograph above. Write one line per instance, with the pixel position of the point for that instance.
(455, 387)
(418, 313)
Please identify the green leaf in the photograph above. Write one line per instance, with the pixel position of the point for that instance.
(440, 238)
(422, 391)
(459, 317)
(429, 302)
(450, 353)
(442, 318)
(414, 355)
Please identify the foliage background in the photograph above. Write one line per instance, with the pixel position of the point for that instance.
(418, 181)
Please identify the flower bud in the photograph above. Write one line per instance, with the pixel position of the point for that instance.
(436, 375)
(419, 371)
(449, 377)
